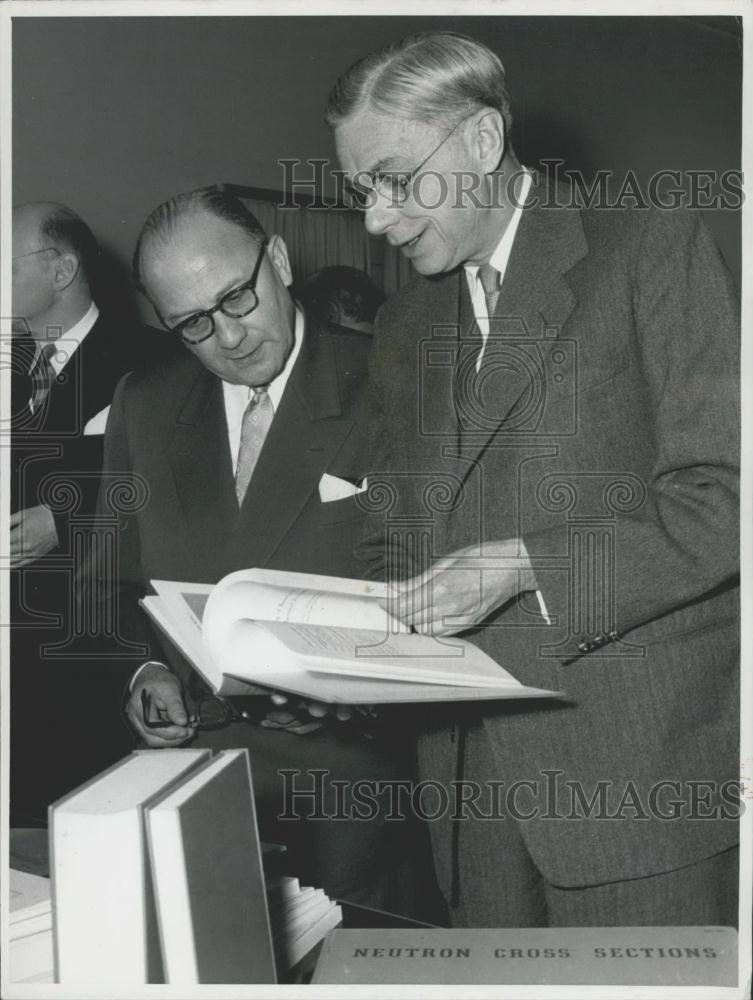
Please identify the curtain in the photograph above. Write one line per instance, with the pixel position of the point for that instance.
(316, 237)
(321, 237)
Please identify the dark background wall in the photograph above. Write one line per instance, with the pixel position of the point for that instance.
(113, 115)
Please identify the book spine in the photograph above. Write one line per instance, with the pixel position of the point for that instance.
(171, 882)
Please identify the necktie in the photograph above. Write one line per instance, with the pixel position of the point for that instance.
(489, 278)
(42, 375)
(257, 419)
(470, 352)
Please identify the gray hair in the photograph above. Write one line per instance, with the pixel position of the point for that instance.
(435, 75)
(164, 222)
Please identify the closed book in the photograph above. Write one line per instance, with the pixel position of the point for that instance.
(572, 956)
(105, 928)
(206, 859)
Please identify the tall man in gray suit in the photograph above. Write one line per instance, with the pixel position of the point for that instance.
(554, 407)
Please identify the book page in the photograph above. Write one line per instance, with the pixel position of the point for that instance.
(339, 689)
(409, 657)
(271, 595)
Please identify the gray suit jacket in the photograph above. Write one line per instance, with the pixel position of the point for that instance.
(603, 430)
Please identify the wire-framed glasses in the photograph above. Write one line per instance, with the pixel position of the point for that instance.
(238, 302)
(31, 253)
(393, 185)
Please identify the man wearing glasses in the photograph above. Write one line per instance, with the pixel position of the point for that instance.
(67, 353)
(572, 449)
(234, 440)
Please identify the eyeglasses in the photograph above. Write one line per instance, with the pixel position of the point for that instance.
(209, 712)
(32, 252)
(394, 185)
(236, 303)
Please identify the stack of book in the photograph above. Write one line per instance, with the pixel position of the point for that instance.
(300, 917)
(158, 878)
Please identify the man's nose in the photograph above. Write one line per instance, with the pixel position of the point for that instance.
(228, 331)
(381, 214)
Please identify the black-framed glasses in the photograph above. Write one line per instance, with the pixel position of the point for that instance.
(208, 712)
(32, 252)
(393, 185)
(238, 302)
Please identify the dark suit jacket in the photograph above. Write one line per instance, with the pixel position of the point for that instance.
(604, 432)
(53, 461)
(167, 427)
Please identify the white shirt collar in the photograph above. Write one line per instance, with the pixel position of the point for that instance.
(70, 341)
(501, 255)
(237, 396)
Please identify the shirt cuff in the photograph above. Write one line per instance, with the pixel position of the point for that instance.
(542, 608)
(149, 663)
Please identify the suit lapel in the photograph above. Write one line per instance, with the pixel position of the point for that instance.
(84, 386)
(306, 434)
(200, 461)
(535, 302)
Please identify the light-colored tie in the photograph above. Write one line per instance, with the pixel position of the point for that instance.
(489, 278)
(42, 375)
(257, 419)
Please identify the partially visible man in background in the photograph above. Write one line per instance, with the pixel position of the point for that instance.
(343, 295)
(66, 356)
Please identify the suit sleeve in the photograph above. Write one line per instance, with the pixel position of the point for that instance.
(379, 556)
(682, 543)
(115, 578)
(82, 466)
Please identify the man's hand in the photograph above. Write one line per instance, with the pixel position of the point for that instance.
(157, 696)
(316, 709)
(32, 534)
(462, 589)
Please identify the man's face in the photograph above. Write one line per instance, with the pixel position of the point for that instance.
(33, 290)
(203, 260)
(430, 228)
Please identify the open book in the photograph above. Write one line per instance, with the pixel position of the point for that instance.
(320, 637)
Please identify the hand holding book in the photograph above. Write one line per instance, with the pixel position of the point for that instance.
(462, 589)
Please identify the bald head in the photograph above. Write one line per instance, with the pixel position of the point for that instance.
(54, 253)
(172, 219)
(27, 224)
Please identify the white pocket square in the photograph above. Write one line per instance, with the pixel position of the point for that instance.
(331, 488)
(97, 423)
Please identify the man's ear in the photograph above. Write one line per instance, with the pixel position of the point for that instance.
(278, 254)
(489, 139)
(65, 270)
